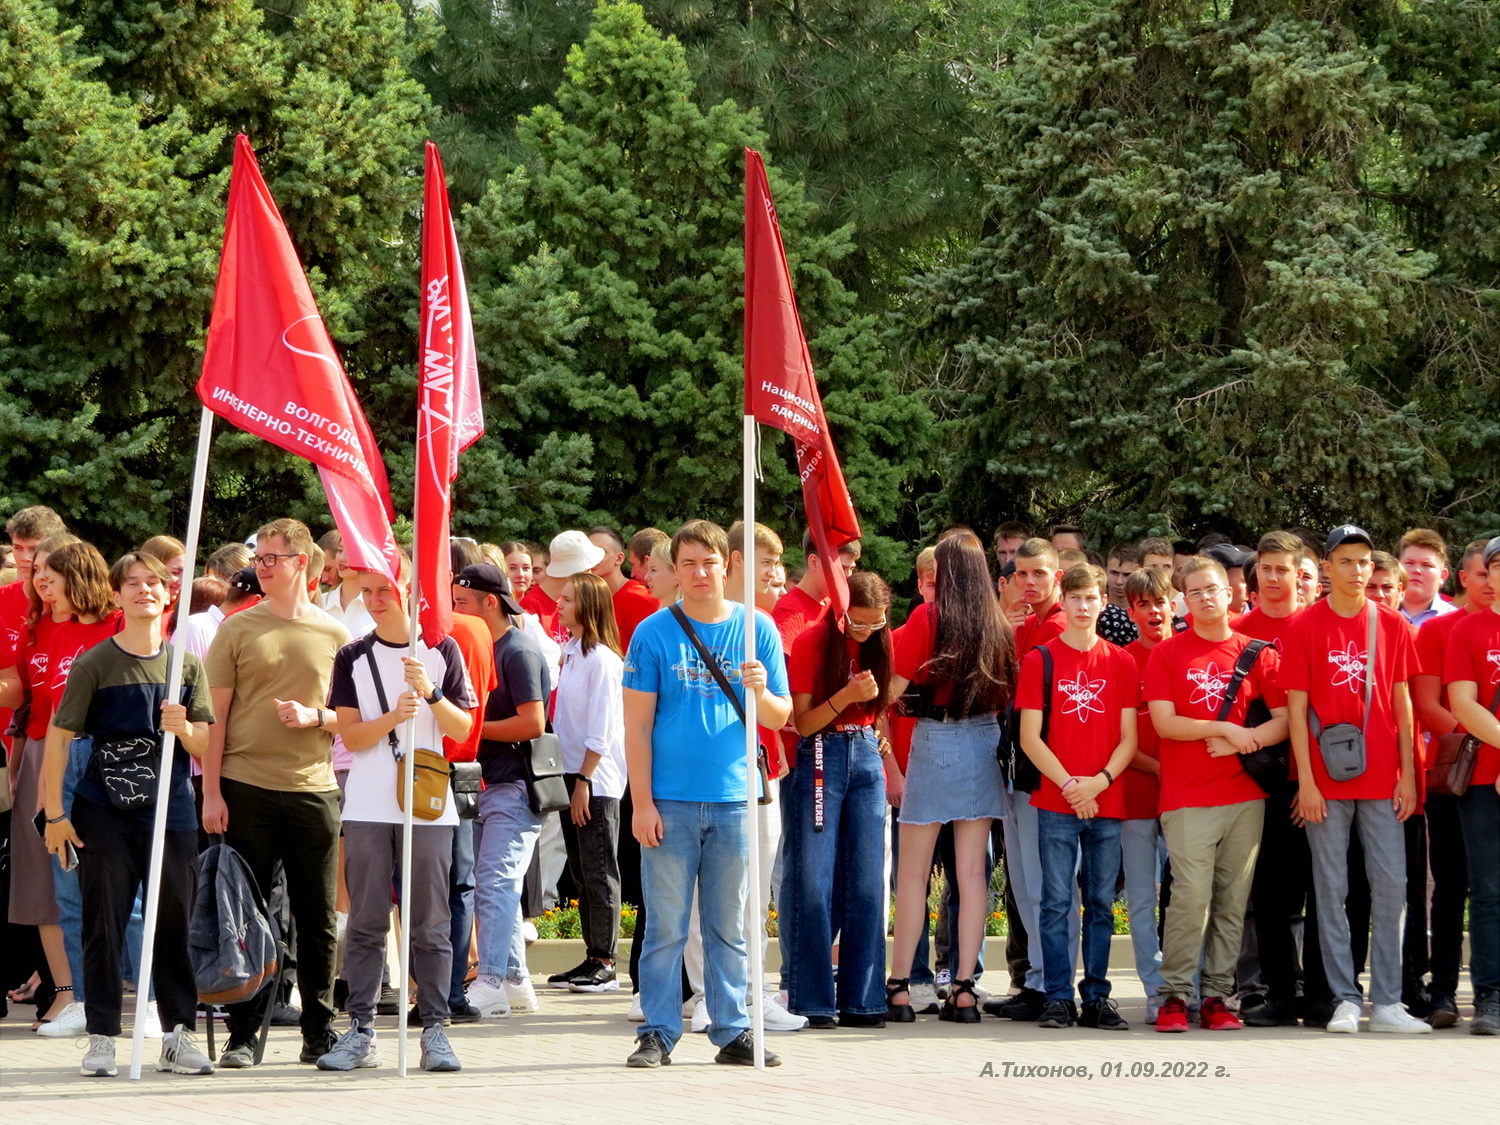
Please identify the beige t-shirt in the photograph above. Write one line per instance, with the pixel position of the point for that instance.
(264, 657)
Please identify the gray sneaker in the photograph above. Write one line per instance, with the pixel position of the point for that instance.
(353, 1050)
(437, 1053)
(180, 1054)
(237, 1055)
(99, 1059)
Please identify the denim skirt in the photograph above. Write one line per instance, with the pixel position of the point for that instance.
(953, 773)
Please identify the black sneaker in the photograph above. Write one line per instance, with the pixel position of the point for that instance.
(740, 1051)
(597, 977)
(1058, 1013)
(1103, 1015)
(1486, 1019)
(1317, 1013)
(825, 1023)
(464, 1013)
(563, 979)
(1442, 1010)
(414, 1018)
(389, 1003)
(860, 1019)
(651, 1050)
(1026, 1006)
(1270, 1013)
(316, 1044)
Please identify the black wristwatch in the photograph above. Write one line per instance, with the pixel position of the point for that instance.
(587, 780)
(436, 696)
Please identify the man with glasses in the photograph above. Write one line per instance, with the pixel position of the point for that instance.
(268, 784)
(1211, 809)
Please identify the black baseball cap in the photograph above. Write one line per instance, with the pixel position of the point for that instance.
(1491, 549)
(1229, 556)
(248, 581)
(488, 578)
(1347, 533)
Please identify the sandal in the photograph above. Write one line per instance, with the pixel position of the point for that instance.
(950, 1010)
(899, 1013)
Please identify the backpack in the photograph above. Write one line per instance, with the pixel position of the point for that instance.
(232, 947)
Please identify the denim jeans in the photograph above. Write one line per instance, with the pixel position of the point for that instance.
(1479, 814)
(703, 845)
(461, 908)
(832, 881)
(1091, 848)
(508, 839)
(1023, 874)
(1141, 852)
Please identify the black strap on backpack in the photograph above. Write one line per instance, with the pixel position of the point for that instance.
(1248, 656)
(1024, 774)
(723, 682)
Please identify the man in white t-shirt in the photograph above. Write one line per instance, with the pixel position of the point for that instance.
(377, 689)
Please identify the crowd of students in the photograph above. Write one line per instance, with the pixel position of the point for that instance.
(1237, 739)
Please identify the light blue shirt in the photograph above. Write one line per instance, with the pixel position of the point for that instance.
(1438, 607)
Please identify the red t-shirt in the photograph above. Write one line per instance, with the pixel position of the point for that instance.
(633, 604)
(1142, 789)
(1035, 631)
(544, 605)
(911, 649)
(14, 606)
(795, 612)
(1089, 690)
(804, 672)
(1432, 647)
(34, 661)
(472, 637)
(1323, 654)
(1192, 674)
(1259, 625)
(902, 725)
(1474, 655)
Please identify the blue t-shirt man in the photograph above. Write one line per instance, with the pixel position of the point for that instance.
(698, 741)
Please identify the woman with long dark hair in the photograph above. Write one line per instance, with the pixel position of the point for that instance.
(960, 653)
(833, 813)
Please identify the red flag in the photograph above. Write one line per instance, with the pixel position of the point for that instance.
(450, 415)
(780, 389)
(270, 368)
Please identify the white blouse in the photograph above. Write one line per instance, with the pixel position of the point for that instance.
(589, 714)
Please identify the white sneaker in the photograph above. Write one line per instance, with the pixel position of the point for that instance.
(71, 1021)
(521, 995)
(635, 1015)
(690, 1005)
(487, 995)
(1395, 1019)
(180, 1054)
(152, 1021)
(776, 1017)
(528, 931)
(700, 1016)
(924, 999)
(99, 1059)
(1345, 1018)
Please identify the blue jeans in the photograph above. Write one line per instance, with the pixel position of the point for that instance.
(1142, 851)
(505, 847)
(1091, 848)
(832, 879)
(704, 845)
(461, 907)
(1479, 815)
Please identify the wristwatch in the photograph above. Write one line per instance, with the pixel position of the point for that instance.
(436, 696)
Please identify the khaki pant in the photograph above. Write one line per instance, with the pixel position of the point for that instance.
(1213, 861)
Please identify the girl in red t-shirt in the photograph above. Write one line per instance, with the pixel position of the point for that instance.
(833, 813)
(960, 652)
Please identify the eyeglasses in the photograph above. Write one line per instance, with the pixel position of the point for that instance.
(850, 624)
(1203, 595)
(266, 562)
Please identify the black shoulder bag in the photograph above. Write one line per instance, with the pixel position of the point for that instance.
(723, 681)
(1269, 766)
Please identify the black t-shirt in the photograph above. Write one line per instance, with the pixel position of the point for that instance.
(521, 670)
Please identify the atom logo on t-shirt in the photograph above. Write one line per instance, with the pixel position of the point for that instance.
(1349, 668)
(1083, 696)
(1209, 685)
(1493, 656)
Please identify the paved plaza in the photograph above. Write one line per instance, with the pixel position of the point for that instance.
(565, 1063)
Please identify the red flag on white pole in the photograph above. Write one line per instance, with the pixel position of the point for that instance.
(780, 389)
(270, 368)
(450, 415)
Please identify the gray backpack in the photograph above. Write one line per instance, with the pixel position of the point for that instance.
(231, 944)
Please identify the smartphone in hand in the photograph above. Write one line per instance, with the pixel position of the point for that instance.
(69, 859)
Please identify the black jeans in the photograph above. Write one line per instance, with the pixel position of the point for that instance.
(1450, 890)
(594, 863)
(1280, 891)
(302, 831)
(112, 867)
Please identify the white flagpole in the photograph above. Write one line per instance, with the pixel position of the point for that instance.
(168, 745)
(755, 914)
(408, 771)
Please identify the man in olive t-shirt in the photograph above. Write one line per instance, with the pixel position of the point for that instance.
(268, 784)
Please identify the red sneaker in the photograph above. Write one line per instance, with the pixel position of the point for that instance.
(1173, 1016)
(1216, 1017)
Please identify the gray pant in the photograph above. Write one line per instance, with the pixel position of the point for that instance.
(1384, 842)
(372, 862)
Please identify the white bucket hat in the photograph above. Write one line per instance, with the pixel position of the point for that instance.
(571, 553)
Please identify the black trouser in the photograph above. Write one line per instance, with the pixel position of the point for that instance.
(594, 864)
(1281, 890)
(112, 867)
(1450, 890)
(301, 830)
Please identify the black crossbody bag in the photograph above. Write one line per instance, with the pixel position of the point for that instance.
(1269, 767)
(722, 680)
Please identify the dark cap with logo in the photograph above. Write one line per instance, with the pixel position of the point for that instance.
(1347, 533)
(488, 578)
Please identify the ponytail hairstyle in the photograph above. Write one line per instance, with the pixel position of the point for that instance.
(595, 609)
(866, 591)
(973, 649)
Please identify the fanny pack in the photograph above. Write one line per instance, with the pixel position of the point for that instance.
(431, 772)
(761, 762)
(1343, 744)
(128, 769)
